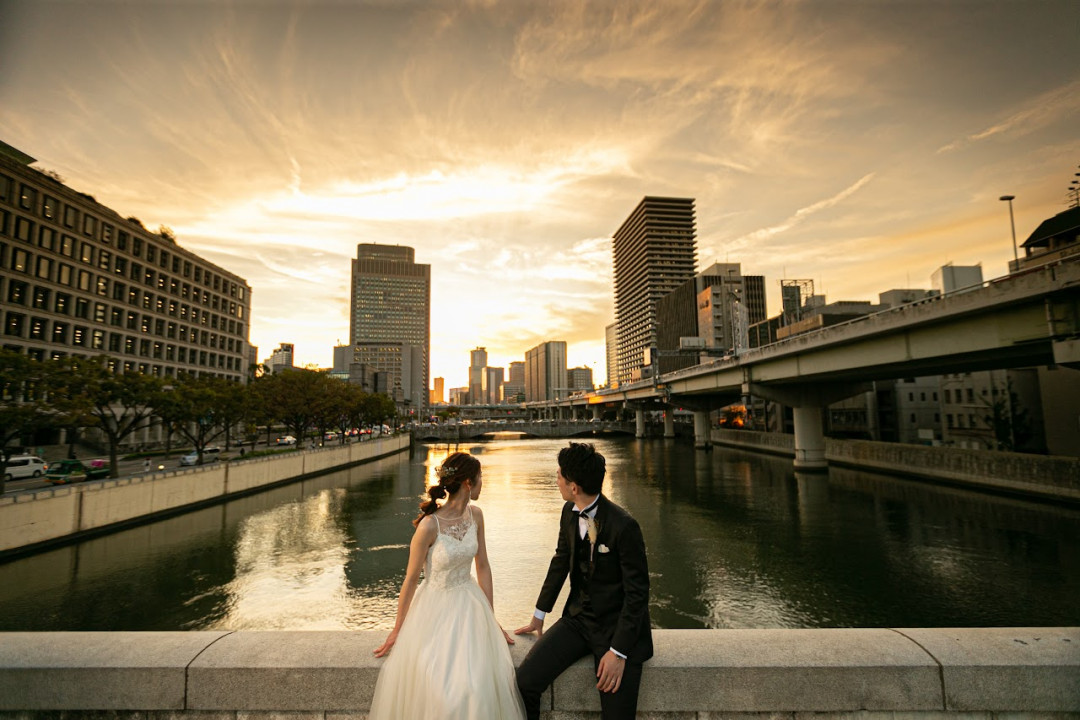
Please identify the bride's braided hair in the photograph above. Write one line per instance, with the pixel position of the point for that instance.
(455, 469)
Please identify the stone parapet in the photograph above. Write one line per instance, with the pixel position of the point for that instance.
(34, 519)
(862, 674)
(1053, 478)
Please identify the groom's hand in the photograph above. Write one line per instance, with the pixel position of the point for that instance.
(536, 626)
(610, 672)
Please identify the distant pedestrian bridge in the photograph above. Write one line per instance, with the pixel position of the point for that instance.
(535, 428)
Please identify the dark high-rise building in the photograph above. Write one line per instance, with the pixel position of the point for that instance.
(390, 319)
(654, 252)
(545, 371)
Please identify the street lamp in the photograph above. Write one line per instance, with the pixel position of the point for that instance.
(1012, 223)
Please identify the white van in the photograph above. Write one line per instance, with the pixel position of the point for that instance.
(209, 454)
(25, 466)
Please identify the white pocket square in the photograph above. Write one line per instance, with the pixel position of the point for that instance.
(602, 548)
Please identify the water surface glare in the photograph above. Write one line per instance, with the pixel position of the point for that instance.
(734, 540)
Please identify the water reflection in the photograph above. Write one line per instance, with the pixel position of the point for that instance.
(734, 540)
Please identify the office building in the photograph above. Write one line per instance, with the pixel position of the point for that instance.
(437, 392)
(545, 371)
(281, 358)
(514, 387)
(477, 363)
(654, 253)
(390, 319)
(611, 348)
(580, 379)
(950, 278)
(492, 386)
(718, 305)
(77, 278)
(459, 396)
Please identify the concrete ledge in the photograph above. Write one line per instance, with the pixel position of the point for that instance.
(856, 673)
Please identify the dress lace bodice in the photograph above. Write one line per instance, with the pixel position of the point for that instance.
(450, 557)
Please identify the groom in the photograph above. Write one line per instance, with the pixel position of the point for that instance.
(607, 614)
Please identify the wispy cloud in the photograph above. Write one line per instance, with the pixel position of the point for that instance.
(803, 213)
(1061, 103)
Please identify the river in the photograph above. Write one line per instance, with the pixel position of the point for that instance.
(735, 540)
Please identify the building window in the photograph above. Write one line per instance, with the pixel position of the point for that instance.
(17, 292)
(67, 245)
(147, 301)
(104, 259)
(41, 299)
(151, 253)
(935, 396)
(116, 317)
(97, 340)
(14, 324)
(106, 233)
(132, 321)
(48, 207)
(133, 297)
(78, 336)
(136, 246)
(971, 421)
(84, 280)
(119, 291)
(27, 197)
(120, 266)
(89, 225)
(64, 274)
(71, 216)
(46, 238)
(37, 328)
(60, 332)
(6, 184)
(63, 303)
(44, 268)
(102, 286)
(144, 348)
(24, 229)
(19, 260)
(937, 417)
(82, 308)
(86, 253)
(129, 347)
(100, 311)
(115, 342)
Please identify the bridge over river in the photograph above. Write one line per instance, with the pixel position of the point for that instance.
(535, 428)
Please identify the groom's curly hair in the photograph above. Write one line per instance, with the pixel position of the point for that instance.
(582, 464)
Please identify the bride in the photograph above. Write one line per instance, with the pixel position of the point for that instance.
(450, 659)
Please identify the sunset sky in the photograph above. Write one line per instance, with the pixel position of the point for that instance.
(859, 143)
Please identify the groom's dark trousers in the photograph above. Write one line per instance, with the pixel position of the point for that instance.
(608, 607)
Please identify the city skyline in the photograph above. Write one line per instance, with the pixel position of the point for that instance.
(861, 145)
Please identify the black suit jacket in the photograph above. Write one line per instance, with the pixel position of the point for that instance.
(617, 583)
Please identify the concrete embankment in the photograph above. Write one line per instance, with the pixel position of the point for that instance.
(1038, 476)
(862, 674)
(32, 520)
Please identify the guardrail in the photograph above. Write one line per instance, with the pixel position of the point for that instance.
(847, 673)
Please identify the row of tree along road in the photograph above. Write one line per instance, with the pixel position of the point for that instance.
(77, 393)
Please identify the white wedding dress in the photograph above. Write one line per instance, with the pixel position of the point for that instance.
(450, 661)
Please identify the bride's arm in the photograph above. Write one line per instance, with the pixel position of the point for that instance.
(483, 567)
(425, 535)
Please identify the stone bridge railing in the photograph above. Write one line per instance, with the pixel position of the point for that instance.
(862, 674)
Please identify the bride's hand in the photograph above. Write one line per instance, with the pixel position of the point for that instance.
(509, 639)
(385, 647)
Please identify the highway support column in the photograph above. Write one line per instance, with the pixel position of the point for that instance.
(702, 441)
(669, 422)
(639, 423)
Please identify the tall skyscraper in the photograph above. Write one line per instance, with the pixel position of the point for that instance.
(437, 393)
(477, 363)
(545, 371)
(390, 319)
(514, 387)
(654, 253)
(611, 340)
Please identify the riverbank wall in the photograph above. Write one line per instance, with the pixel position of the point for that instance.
(30, 521)
(862, 674)
(1021, 474)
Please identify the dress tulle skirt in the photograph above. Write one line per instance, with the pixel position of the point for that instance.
(450, 662)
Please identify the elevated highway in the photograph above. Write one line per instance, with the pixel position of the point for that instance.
(537, 428)
(1025, 319)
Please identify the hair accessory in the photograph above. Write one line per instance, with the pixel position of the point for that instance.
(445, 472)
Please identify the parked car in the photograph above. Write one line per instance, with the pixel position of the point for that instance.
(209, 454)
(25, 466)
(285, 440)
(63, 472)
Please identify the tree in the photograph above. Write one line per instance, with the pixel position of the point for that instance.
(349, 409)
(24, 385)
(198, 401)
(116, 404)
(297, 398)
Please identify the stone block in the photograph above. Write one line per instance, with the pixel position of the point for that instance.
(97, 671)
(772, 671)
(286, 672)
(1006, 669)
